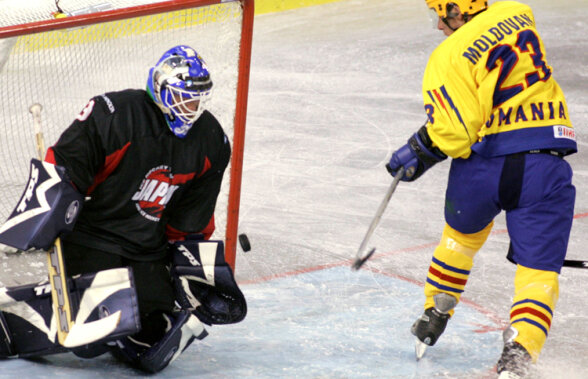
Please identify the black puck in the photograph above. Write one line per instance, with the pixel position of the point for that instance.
(244, 242)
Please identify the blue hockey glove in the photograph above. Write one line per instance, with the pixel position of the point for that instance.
(417, 156)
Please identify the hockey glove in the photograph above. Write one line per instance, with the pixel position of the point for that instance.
(417, 156)
(205, 283)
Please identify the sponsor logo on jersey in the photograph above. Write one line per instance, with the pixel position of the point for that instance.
(156, 190)
(562, 131)
(108, 103)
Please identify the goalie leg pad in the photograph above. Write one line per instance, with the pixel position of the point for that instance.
(183, 328)
(205, 283)
(6, 349)
(48, 207)
(28, 323)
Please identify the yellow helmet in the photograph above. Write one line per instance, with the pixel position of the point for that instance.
(467, 7)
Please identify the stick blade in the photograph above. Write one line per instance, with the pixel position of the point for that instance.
(360, 261)
(83, 334)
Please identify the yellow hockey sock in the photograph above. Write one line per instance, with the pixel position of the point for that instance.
(536, 293)
(451, 263)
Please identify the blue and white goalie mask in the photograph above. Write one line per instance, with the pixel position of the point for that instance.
(180, 85)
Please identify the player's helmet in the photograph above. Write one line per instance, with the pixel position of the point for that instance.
(180, 85)
(467, 7)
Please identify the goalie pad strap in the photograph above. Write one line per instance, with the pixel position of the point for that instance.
(48, 207)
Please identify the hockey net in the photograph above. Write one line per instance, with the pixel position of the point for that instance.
(61, 60)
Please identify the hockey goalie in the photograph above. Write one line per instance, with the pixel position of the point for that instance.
(126, 196)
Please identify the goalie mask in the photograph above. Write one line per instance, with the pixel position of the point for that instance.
(180, 85)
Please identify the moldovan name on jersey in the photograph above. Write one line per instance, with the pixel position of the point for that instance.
(495, 35)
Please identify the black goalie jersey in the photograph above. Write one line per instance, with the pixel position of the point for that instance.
(144, 184)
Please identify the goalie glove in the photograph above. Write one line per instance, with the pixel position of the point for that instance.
(205, 284)
(417, 156)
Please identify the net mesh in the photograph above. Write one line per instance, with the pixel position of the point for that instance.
(63, 69)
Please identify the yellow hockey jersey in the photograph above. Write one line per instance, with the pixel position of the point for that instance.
(488, 88)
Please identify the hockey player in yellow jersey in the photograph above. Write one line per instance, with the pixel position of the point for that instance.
(493, 106)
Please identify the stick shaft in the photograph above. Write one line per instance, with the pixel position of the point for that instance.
(59, 291)
(35, 110)
(56, 268)
(575, 264)
(380, 212)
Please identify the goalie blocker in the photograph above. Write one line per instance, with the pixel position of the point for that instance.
(48, 207)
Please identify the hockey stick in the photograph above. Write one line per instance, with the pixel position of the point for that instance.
(69, 333)
(575, 264)
(359, 260)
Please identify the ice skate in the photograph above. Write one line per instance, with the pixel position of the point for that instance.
(515, 360)
(429, 327)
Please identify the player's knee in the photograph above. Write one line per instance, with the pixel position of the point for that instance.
(539, 284)
(452, 262)
(467, 244)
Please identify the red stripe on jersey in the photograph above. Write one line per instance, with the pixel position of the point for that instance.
(206, 166)
(182, 178)
(50, 156)
(110, 164)
(532, 311)
(440, 100)
(447, 278)
(174, 234)
(209, 229)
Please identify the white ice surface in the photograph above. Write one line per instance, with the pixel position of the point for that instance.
(334, 89)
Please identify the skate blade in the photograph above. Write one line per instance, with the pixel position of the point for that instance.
(508, 375)
(419, 349)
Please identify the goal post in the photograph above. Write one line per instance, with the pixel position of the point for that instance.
(98, 46)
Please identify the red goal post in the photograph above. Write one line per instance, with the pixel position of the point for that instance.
(63, 62)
